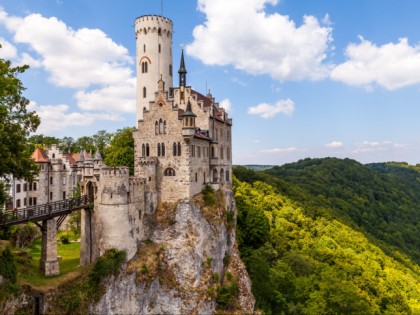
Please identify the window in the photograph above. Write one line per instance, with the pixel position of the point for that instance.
(64, 167)
(193, 150)
(212, 152)
(160, 48)
(53, 155)
(34, 186)
(18, 203)
(159, 31)
(147, 150)
(25, 187)
(221, 134)
(64, 195)
(221, 152)
(196, 177)
(18, 188)
(158, 149)
(163, 149)
(144, 48)
(143, 150)
(228, 153)
(51, 195)
(179, 149)
(160, 126)
(174, 149)
(204, 178)
(144, 66)
(51, 180)
(144, 92)
(164, 126)
(156, 128)
(30, 201)
(24, 202)
(34, 201)
(170, 70)
(169, 172)
(227, 175)
(199, 151)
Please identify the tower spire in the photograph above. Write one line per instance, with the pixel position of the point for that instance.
(182, 71)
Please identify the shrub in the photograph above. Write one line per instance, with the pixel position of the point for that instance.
(208, 196)
(7, 265)
(64, 239)
(106, 265)
(216, 277)
(23, 235)
(226, 295)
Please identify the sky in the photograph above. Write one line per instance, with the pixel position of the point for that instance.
(300, 78)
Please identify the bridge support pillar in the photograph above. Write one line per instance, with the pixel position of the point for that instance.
(86, 235)
(49, 262)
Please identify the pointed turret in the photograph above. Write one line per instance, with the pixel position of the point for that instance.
(188, 121)
(182, 71)
(98, 155)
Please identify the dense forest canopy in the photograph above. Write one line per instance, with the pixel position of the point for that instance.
(331, 236)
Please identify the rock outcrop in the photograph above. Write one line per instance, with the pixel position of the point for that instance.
(189, 253)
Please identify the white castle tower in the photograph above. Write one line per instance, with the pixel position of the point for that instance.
(153, 58)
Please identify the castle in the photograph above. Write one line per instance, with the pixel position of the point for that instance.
(182, 143)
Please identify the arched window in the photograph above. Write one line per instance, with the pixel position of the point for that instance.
(160, 126)
(169, 172)
(144, 92)
(147, 150)
(163, 149)
(156, 128)
(158, 149)
(179, 149)
(164, 126)
(143, 150)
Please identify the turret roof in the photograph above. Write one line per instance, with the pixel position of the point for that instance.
(40, 156)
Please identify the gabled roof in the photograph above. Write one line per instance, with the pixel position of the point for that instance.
(72, 158)
(200, 97)
(40, 156)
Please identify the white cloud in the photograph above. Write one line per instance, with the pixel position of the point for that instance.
(7, 50)
(375, 146)
(393, 65)
(334, 144)
(118, 97)
(84, 59)
(281, 150)
(226, 104)
(246, 36)
(266, 111)
(57, 117)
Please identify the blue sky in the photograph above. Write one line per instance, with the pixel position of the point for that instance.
(301, 78)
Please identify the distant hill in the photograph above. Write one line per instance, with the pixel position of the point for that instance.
(331, 236)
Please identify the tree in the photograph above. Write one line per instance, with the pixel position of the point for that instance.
(15, 125)
(101, 139)
(120, 152)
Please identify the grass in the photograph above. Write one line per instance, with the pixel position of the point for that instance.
(28, 265)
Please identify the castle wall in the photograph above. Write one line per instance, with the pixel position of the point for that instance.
(116, 219)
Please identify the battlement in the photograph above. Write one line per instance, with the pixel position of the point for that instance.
(120, 171)
(153, 23)
(137, 181)
(151, 160)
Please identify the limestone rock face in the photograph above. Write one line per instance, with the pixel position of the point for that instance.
(188, 252)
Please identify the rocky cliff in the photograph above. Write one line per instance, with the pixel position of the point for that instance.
(189, 263)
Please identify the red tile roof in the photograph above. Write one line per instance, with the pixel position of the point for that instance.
(40, 156)
(72, 158)
(200, 97)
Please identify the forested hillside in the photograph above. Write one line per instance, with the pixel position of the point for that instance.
(330, 236)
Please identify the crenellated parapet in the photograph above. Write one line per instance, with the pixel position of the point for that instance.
(151, 23)
(120, 171)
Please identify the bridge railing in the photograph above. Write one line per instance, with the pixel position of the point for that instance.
(48, 210)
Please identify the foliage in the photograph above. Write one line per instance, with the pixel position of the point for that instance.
(105, 266)
(7, 265)
(120, 151)
(226, 295)
(16, 122)
(23, 235)
(64, 239)
(305, 251)
(208, 196)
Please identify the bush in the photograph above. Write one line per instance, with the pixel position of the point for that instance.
(7, 265)
(208, 196)
(23, 235)
(226, 295)
(106, 265)
(64, 239)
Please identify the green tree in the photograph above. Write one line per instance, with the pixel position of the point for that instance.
(15, 125)
(101, 139)
(120, 151)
